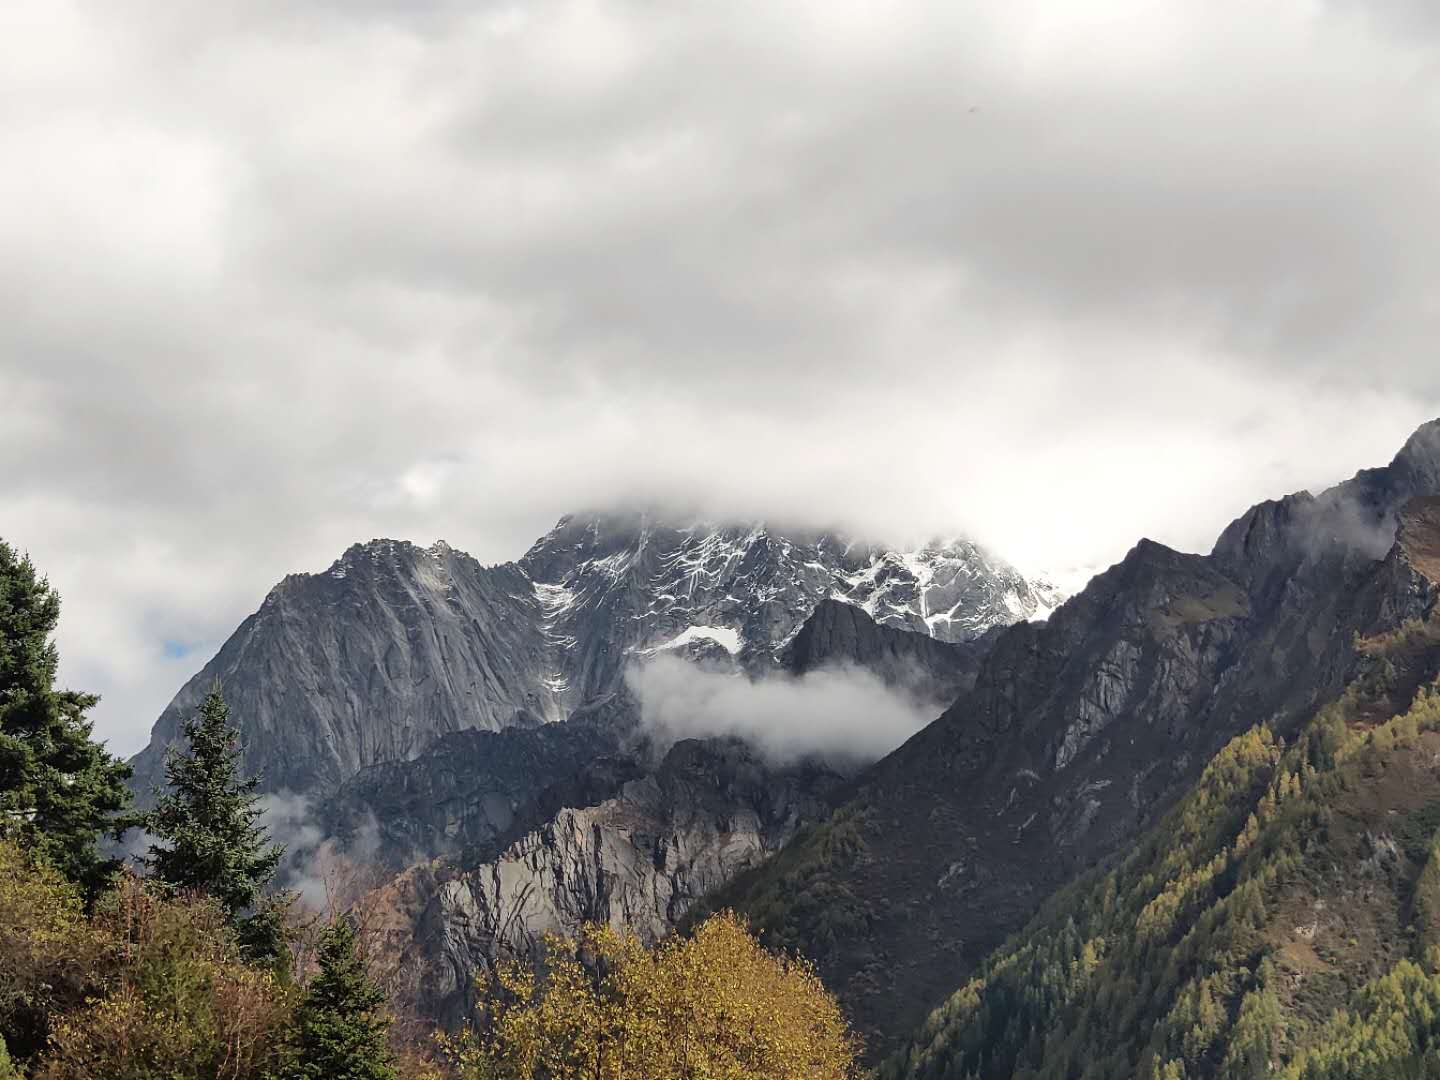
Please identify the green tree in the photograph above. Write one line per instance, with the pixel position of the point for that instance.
(60, 791)
(341, 1027)
(208, 823)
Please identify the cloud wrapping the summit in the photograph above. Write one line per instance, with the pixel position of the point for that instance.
(275, 278)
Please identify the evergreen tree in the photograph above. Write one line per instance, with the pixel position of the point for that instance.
(59, 789)
(341, 1027)
(208, 823)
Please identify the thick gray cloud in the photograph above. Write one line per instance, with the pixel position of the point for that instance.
(275, 277)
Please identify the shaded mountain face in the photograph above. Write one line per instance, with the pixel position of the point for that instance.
(839, 634)
(395, 647)
(1298, 877)
(1079, 732)
(371, 661)
(471, 788)
(636, 860)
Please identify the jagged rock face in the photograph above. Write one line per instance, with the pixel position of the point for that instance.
(652, 583)
(636, 861)
(614, 838)
(1081, 730)
(838, 633)
(470, 788)
(372, 661)
(474, 790)
(395, 646)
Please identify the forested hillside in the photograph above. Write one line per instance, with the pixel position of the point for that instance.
(1284, 917)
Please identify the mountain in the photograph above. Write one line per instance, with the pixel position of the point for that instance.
(1082, 732)
(469, 731)
(371, 661)
(395, 647)
(842, 634)
(1283, 918)
(632, 838)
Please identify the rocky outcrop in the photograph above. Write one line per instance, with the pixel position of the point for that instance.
(472, 788)
(1079, 731)
(621, 839)
(842, 634)
(636, 861)
(371, 661)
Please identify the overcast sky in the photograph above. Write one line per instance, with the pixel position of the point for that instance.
(280, 275)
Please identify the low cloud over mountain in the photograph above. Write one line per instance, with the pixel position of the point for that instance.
(837, 712)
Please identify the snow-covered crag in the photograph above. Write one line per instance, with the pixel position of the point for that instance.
(656, 584)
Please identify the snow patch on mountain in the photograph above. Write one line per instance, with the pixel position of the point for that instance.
(726, 637)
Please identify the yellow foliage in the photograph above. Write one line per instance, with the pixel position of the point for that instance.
(714, 1006)
(50, 955)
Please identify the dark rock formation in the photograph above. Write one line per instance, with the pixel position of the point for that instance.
(636, 860)
(838, 633)
(472, 787)
(372, 661)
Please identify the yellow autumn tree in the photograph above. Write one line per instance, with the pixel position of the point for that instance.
(713, 1006)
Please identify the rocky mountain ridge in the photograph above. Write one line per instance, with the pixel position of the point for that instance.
(1081, 731)
(396, 646)
(1279, 921)
(637, 860)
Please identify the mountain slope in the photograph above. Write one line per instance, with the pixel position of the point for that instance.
(842, 634)
(471, 787)
(635, 860)
(371, 661)
(1080, 732)
(1292, 881)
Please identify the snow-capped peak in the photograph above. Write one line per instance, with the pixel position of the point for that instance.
(641, 585)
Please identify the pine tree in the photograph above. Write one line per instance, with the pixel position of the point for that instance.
(59, 789)
(341, 1028)
(208, 823)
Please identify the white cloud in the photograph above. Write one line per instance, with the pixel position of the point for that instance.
(278, 277)
(837, 712)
